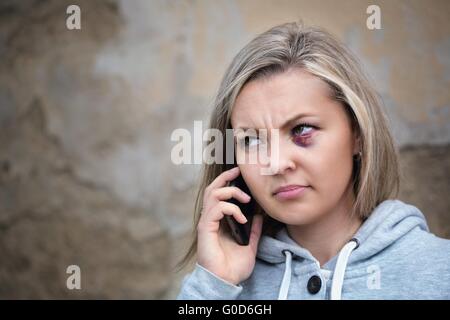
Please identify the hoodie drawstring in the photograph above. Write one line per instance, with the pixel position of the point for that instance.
(339, 270)
(338, 276)
(285, 283)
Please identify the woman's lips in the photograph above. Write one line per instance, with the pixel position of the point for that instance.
(290, 192)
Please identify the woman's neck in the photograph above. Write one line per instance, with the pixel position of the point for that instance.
(325, 238)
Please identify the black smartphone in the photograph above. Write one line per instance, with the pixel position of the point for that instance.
(239, 231)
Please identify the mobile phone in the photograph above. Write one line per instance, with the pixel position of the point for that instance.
(241, 232)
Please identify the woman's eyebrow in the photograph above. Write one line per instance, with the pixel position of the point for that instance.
(288, 122)
(295, 118)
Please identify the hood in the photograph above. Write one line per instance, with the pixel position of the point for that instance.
(390, 221)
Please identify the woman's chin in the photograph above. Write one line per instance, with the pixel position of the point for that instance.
(297, 217)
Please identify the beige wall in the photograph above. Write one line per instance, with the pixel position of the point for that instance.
(86, 118)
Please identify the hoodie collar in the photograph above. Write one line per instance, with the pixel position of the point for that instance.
(272, 249)
(390, 220)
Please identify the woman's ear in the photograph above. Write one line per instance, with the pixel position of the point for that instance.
(357, 148)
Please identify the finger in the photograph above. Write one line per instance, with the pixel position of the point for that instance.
(227, 208)
(222, 179)
(256, 231)
(209, 221)
(226, 193)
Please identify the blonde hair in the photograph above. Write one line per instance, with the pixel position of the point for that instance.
(292, 45)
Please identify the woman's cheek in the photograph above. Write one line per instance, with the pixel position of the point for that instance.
(253, 178)
(320, 165)
(335, 169)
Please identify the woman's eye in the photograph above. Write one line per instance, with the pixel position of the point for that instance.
(302, 133)
(303, 129)
(249, 141)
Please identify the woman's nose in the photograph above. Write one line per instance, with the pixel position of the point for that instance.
(284, 159)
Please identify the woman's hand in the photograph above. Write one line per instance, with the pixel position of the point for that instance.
(217, 251)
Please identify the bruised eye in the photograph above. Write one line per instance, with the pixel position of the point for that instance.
(302, 133)
(303, 129)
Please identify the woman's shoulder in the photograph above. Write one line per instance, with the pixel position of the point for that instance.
(407, 222)
(424, 250)
(427, 241)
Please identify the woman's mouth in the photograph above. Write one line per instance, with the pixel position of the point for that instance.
(290, 192)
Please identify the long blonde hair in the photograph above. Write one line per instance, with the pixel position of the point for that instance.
(292, 45)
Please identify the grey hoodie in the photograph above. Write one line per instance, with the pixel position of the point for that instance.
(392, 256)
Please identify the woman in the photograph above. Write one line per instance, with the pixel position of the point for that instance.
(328, 227)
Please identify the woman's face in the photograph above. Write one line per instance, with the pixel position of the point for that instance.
(315, 147)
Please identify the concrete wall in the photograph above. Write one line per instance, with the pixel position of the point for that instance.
(86, 117)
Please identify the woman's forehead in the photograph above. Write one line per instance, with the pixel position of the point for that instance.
(282, 97)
